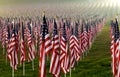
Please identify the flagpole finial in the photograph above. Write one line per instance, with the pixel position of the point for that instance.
(55, 17)
(43, 14)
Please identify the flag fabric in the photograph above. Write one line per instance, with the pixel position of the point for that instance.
(3, 36)
(6, 36)
(22, 46)
(77, 46)
(115, 49)
(45, 48)
(72, 53)
(36, 34)
(17, 36)
(90, 36)
(63, 53)
(118, 72)
(31, 47)
(8, 39)
(85, 39)
(12, 53)
(55, 58)
(82, 40)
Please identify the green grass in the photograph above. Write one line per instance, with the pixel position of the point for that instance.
(96, 64)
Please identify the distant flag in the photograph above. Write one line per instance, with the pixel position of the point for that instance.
(72, 53)
(36, 34)
(68, 29)
(31, 52)
(12, 53)
(90, 36)
(82, 41)
(63, 53)
(111, 28)
(76, 41)
(22, 46)
(8, 39)
(85, 38)
(55, 58)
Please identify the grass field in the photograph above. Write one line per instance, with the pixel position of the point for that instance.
(96, 64)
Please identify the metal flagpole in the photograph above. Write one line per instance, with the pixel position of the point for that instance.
(6, 58)
(33, 64)
(65, 74)
(12, 72)
(23, 69)
(3, 50)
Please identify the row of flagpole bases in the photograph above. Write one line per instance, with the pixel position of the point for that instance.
(82, 57)
(20, 64)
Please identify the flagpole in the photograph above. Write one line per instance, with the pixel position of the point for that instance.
(83, 55)
(36, 46)
(23, 69)
(77, 63)
(65, 75)
(3, 50)
(33, 64)
(86, 52)
(6, 58)
(12, 72)
(70, 70)
(70, 66)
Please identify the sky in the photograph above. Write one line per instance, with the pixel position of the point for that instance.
(68, 7)
(12, 2)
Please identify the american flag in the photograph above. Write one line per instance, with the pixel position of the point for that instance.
(8, 39)
(72, 53)
(112, 37)
(40, 37)
(55, 58)
(12, 53)
(36, 34)
(3, 35)
(82, 41)
(115, 49)
(68, 29)
(17, 36)
(48, 46)
(90, 36)
(111, 28)
(88, 33)
(63, 53)
(31, 47)
(22, 46)
(76, 45)
(92, 33)
(6, 36)
(118, 73)
(86, 38)
(113, 55)
(44, 49)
